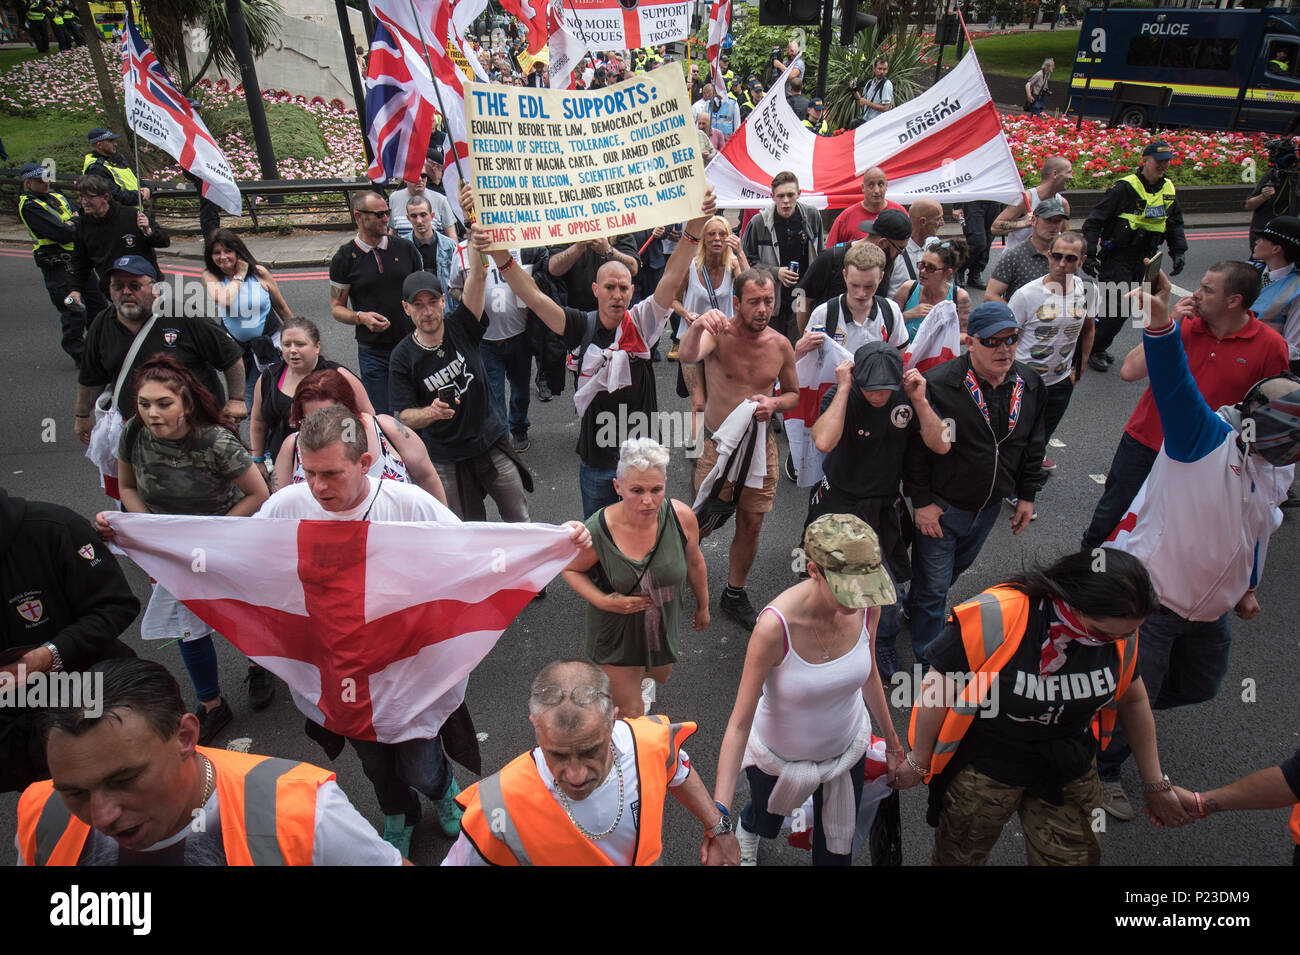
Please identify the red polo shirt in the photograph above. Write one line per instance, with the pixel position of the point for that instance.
(847, 226)
(1224, 370)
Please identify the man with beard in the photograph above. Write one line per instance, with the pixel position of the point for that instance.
(743, 359)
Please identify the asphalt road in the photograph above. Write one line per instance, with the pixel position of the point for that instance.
(1252, 724)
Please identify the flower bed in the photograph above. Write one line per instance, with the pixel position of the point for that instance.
(1103, 154)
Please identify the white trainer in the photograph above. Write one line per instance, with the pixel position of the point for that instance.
(748, 844)
(647, 694)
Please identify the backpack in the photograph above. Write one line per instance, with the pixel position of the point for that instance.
(878, 302)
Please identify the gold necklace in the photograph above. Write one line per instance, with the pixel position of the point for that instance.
(209, 780)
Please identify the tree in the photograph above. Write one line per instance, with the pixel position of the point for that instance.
(169, 19)
(106, 92)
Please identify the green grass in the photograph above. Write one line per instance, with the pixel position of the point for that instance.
(294, 133)
(1022, 54)
(57, 136)
(9, 57)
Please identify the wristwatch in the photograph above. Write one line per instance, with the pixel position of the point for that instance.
(56, 664)
(723, 826)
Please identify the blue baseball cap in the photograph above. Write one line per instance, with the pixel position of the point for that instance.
(135, 265)
(988, 318)
(99, 134)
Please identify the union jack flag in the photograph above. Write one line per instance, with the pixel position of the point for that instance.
(399, 121)
(158, 112)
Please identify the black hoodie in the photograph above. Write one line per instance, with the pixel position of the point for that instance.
(59, 584)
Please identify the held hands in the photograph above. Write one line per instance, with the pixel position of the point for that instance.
(810, 342)
(578, 534)
(721, 850)
(104, 529)
(1166, 809)
(927, 520)
(913, 385)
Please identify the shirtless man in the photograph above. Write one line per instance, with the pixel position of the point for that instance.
(742, 358)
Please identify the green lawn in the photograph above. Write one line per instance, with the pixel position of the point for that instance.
(9, 57)
(61, 137)
(1022, 54)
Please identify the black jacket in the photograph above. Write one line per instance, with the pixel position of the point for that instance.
(100, 241)
(979, 470)
(60, 585)
(1119, 199)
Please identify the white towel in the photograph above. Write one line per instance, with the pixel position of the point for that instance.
(727, 438)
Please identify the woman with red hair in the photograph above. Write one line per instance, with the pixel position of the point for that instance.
(395, 450)
(178, 455)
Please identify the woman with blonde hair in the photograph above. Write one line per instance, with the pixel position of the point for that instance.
(645, 547)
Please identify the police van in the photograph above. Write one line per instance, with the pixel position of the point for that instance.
(1228, 69)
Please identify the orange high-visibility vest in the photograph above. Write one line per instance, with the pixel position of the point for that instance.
(1295, 824)
(512, 818)
(267, 806)
(992, 626)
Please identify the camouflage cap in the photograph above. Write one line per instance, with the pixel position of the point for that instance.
(848, 553)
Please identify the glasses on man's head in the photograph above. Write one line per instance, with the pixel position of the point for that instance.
(554, 694)
(1069, 259)
(381, 214)
(1007, 340)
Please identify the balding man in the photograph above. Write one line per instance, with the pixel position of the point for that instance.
(592, 791)
(926, 216)
(1015, 221)
(855, 221)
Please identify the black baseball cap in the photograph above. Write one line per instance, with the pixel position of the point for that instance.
(890, 224)
(878, 366)
(418, 282)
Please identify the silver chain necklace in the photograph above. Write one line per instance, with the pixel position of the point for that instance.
(568, 810)
(433, 348)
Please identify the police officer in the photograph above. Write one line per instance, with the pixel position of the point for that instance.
(816, 120)
(1138, 214)
(752, 97)
(49, 218)
(70, 23)
(38, 12)
(57, 16)
(103, 160)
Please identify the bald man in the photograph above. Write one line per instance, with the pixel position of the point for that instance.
(1014, 221)
(852, 224)
(926, 216)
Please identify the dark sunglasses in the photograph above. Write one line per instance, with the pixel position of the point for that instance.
(1062, 257)
(927, 267)
(1009, 341)
(381, 214)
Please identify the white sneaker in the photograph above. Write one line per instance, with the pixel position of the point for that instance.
(647, 694)
(748, 844)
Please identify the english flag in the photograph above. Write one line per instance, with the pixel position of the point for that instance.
(816, 372)
(374, 626)
(463, 15)
(719, 24)
(533, 15)
(577, 26)
(946, 144)
(158, 113)
(936, 340)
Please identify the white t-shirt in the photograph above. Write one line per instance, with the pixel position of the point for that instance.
(340, 834)
(507, 316)
(1050, 324)
(853, 335)
(386, 501)
(597, 812)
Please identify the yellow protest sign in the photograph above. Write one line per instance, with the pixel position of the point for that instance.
(458, 58)
(527, 59)
(555, 166)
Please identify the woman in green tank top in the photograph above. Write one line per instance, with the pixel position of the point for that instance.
(645, 548)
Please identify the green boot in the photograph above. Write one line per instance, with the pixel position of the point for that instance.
(398, 834)
(449, 812)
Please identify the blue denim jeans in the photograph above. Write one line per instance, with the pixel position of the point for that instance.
(1129, 469)
(758, 820)
(937, 562)
(1180, 661)
(373, 362)
(397, 768)
(597, 486)
(200, 658)
(509, 359)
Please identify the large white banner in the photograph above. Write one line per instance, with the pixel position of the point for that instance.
(946, 144)
(578, 26)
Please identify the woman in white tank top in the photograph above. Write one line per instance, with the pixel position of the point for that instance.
(800, 723)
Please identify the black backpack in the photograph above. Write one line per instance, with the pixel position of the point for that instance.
(879, 302)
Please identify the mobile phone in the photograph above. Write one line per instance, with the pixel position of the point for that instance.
(447, 394)
(1153, 267)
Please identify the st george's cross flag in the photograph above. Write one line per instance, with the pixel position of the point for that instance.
(946, 144)
(816, 373)
(158, 113)
(374, 626)
(719, 24)
(936, 340)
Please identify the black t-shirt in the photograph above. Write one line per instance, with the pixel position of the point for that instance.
(277, 406)
(1040, 736)
(791, 240)
(868, 461)
(823, 279)
(374, 280)
(578, 280)
(203, 347)
(603, 429)
(415, 374)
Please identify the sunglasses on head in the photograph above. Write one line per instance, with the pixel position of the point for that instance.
(1008, 340)
(1070, 259)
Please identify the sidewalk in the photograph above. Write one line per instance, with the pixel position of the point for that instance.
(306, 248)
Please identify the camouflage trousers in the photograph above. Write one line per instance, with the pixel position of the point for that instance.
(976, 808)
